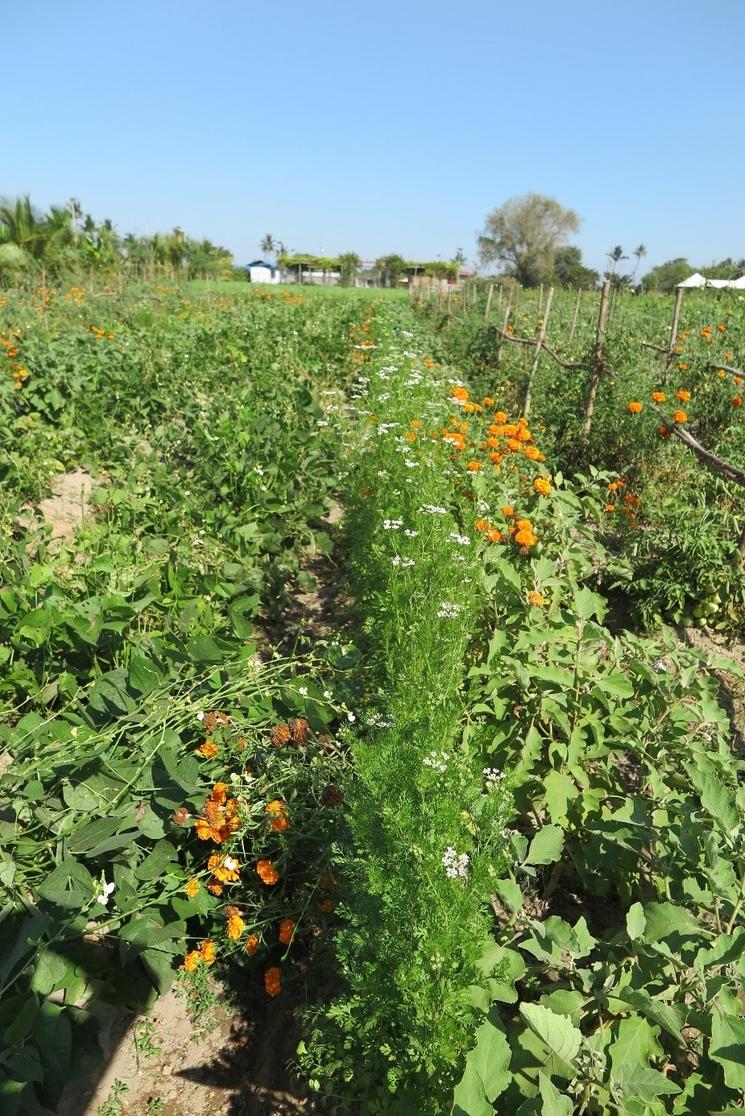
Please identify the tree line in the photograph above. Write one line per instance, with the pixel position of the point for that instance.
(65, 239)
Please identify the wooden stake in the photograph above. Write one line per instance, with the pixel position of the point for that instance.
(488, 303)
(576, 314)
(506, 322)
(538, 346)
(671, 354)
(540, 299)
(597, 362)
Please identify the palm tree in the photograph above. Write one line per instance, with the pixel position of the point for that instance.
(269, 245)
(640, 253)
(615, 256)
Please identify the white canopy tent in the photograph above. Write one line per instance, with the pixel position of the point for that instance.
(697, 280)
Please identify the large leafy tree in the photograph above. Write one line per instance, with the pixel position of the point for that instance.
(569, 271)
(524, 234)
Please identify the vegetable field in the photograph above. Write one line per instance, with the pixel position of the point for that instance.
(334, 673)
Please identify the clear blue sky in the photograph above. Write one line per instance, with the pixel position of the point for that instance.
(383, 127)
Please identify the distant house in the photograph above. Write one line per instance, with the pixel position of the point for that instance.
(261, 271)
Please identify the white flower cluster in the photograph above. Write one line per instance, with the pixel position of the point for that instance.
(448, 610)
(404, 562)
(433, 509)
(455, 864)
(493, 776)
(461, 540)
(392, 524)
(410, 534)
(379, 720)
(438, 761)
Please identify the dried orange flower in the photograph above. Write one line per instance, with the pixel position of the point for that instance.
(279, 735)
(209, 749)
(252, 943)
(299, 729)
(663, 431)
(737, 401)
(266, 872)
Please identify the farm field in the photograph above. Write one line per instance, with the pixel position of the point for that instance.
(340, 695)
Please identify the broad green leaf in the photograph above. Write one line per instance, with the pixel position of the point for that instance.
(554, 1102)
(558, 790)
(725, 949)
(510, 894)
(728, 1047)
(635, 921)
(717, 799)
(640, 1081)
(486, 1074)
(555, 1031)
(588, 604)
(69, 885)
(671, 1017)
(54, 1038)
(635, 1042)
(52, 970)
(144, 676)
(666, 920)
(546, 846)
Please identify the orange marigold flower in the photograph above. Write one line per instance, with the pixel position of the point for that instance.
(610, 507)
(721, 373)
(737, 401)
(658, 397)
(706, 331)
(286, 930)
(235, 925)
(273, 981)
(209, 749)
(481, 525)
(459, 393)
(542, 485)
(682, 366)
(214, 887)
(737, 379)
(500, 416)
(252, 944)
(683, 395)
(191, 960)
(474, 466)
(488, 401)
(508, 511)
(635, 407)
(680, 417)
(225, 868)
(722, 327)
(493, 536)
(277, 811)
(266, 872)
(220, 816)
(415, 423)
(192, 889)
(536, 599)
(208, 951)
(525, 538)
(728, 356)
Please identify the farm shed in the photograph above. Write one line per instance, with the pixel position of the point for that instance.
(261, 271)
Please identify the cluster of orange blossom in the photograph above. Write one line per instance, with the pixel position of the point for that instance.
(9, 344)
(75, 295)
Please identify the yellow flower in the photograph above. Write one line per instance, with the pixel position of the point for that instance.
(542, 485)
(536, 599)
(192, 889)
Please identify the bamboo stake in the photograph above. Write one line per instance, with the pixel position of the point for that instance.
(673, 330)
(598, 364)
(575, 316)
(538, 346)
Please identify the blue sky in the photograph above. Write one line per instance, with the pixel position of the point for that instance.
(385, 127)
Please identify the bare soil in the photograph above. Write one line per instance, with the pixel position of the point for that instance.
(69, 504)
